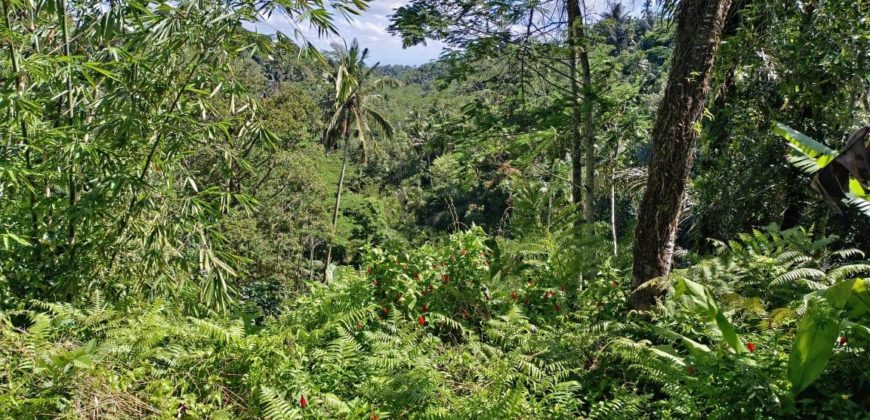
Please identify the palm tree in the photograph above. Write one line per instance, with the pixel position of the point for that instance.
(352, 111)
(616, 18)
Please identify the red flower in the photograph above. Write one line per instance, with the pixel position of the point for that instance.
(434, 267)
(359, 325)
(425, 308)
(843, 340)
(445, 278)
(374, 416)
(369, 270)
(514, 295)
(751, 347)
(303, 402)
(421, 320)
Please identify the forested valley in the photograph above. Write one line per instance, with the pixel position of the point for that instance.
(596, 210)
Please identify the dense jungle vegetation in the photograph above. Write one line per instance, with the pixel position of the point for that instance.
(651, 209)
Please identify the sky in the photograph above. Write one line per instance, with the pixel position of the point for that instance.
(370, 29)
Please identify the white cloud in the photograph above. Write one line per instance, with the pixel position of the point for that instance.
(370, 29)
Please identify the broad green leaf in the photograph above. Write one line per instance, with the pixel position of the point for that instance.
(729, 333)
(856, 188)
(802, 143)
(702, 297)
(838, 294)
(813, 344)
(695, 348)
(859, 300)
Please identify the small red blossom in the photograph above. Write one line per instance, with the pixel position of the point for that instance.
(751, 347)
(369, 270)
(464, 314)
(445, 278)
(303, 402)
(842, 341)
(421, 320)
(359, 325)
(434, 267)
(425, 308)
(514, 295)
(374, 416)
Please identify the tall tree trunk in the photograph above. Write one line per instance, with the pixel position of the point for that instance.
(575, 51)
(613, 235)
(583, 140)
(72, 173)
(698, 32)
(337, 199)
(588, 132)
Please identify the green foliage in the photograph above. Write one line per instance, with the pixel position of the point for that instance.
(729, 335)
(169, 212)
(466, 347)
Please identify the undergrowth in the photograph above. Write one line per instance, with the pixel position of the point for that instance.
(472, 328)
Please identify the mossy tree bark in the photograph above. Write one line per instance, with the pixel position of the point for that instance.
(697, 38)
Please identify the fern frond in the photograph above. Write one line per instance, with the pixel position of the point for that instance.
(275, 406)
(798, 274)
